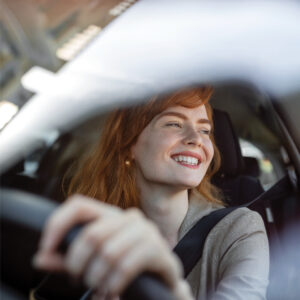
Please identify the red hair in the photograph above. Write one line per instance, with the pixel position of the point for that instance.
(104, 175)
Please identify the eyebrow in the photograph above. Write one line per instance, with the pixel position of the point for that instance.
(182, 116)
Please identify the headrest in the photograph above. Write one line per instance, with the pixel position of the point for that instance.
(228, 145)
(251, 166)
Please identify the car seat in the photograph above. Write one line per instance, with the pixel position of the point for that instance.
(251, 166)
(240, 186)
(232, 178)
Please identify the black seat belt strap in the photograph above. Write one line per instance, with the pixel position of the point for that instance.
(279, 190)
(190, 247)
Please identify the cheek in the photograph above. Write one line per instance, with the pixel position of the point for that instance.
(209, 149)
(145, 148)
(151, 152)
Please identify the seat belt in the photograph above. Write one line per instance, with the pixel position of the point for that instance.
(190, 247)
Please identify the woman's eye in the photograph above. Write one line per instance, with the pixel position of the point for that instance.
(174, 124)
(205, 131)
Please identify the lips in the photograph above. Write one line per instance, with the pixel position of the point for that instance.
(187, 159)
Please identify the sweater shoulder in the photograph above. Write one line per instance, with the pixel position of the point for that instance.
(241, 220)
(240, 224)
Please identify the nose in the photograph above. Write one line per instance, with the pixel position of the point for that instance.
(192, 137)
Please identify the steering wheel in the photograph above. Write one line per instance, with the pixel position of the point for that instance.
(22, 211)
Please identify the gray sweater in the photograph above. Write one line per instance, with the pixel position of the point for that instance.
(235, 259)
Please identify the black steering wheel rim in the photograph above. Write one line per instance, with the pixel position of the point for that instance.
(26, 210)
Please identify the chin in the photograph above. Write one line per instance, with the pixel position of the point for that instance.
(189, 184)
(189, 180)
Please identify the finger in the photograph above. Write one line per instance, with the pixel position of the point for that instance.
(96, 272)
(182, 291)
(110, 253)
(126, 246)
(99, 295)
(117, 245)
(112, 235)
(77, 209)
(89, 241)
(127, 270)
(48, 262)
(141, 259)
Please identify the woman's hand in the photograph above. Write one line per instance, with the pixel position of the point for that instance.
(111, 250)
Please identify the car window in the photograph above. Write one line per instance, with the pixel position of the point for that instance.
(255, 158)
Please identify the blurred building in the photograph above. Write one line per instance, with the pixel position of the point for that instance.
(47, 33)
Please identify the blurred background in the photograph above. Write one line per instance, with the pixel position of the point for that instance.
(45, 33)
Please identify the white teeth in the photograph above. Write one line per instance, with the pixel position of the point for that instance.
(186, 159)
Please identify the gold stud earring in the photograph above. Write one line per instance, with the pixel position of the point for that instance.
(127, 162)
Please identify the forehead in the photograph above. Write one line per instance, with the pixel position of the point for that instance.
(196, 112)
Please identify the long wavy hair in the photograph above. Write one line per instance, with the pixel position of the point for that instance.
(106, 176)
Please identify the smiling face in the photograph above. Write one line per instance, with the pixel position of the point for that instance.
(175, 148)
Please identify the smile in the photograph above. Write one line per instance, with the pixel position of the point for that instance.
(187, 161)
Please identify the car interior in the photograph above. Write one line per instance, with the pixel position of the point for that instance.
(241, 113)
(257, 134)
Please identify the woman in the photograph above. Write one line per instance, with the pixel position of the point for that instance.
(156, 160)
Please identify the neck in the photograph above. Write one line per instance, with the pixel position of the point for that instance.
(165, 206)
